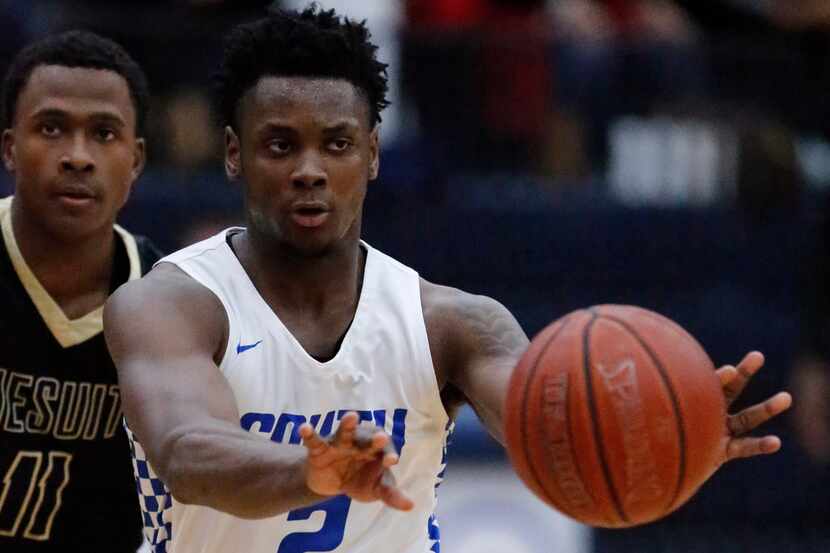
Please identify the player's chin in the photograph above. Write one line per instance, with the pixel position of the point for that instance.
(77, 226)
(312, 246)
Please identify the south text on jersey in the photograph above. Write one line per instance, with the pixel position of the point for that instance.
(285, 427)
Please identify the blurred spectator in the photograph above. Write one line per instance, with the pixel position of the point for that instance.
(811, 417)
(811, 371)
(769, 178)
(479, 77)
(439, 70)
(770, 54)
(192, 139)
(617, 57)
(516, 83)
(793, 14)
(450, 15)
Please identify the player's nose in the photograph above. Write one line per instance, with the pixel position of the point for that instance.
(310, 171)
(77, 157)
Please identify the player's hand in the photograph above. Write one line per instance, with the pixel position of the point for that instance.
(354, 461)
(736, 443)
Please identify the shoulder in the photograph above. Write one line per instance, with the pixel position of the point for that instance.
(166, 302)
(216, 244)
(462, 326)
(166, 286)
(389, 263)
(447, 307)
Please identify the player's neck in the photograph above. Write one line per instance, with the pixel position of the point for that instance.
(312, 284)
(75, 272)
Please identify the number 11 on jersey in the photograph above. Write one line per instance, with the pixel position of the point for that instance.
(26, 473)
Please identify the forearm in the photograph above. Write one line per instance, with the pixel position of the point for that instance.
(487, 395)
(492, 418)
(232, 471)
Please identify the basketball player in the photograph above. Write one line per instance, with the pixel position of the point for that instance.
(235, 350)
(73, 111)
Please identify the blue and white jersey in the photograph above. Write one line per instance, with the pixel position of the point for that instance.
(383, 370)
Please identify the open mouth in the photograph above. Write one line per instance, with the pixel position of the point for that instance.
(309, 211)
(310, 216)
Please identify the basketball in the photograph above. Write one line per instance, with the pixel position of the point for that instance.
(614, 415)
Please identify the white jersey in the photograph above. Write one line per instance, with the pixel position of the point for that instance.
(383, 370)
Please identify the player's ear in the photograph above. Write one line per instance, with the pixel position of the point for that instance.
(374, 153)
(139, 158)
(233, 166)
(8, 150)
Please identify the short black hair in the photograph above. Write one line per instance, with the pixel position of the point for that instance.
(310, 43)
(75, 49)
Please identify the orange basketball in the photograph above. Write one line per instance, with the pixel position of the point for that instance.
(614, 415)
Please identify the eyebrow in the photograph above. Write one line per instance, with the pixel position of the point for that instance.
(268, 128)
(103, 116)
(341, 127)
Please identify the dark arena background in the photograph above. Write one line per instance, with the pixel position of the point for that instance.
(553, 155)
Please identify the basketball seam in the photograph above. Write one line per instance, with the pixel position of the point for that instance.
(586, 366)
(578, 466)
(681, 473)
(523, 427)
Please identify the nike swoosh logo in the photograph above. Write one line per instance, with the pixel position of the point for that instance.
(240, 347)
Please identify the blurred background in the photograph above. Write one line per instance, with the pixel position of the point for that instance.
(556, 154)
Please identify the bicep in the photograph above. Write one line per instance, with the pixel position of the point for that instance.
(162, 339)
(492, 342)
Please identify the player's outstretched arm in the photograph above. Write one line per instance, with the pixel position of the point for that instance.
(737, 443)
(166, 334)
(476, 342)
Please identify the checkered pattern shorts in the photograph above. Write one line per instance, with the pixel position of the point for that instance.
(153, 497)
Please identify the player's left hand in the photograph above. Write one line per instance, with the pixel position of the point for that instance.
(736, 443)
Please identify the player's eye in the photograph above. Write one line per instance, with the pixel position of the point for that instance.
(279, 146)
(105, 134)
(340, 144)
(49, 129)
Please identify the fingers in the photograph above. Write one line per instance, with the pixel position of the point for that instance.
(312, 441)
(749, 447)
(378, 443)
(749, 419)
(391, 495)
(375, 441)
(356, 461)
(390, 455)
(369, 442)
(344, 437)
(752, 417)
(745, 370)
(750, 364)
(727, 374)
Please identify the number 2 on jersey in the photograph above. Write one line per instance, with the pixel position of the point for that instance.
(328, 537)
(26, 473)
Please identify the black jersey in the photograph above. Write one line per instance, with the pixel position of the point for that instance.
(66, 480)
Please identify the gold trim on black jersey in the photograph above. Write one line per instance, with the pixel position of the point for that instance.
(68, 332)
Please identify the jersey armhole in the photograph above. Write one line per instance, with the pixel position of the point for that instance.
(423, 336)
(193, 274)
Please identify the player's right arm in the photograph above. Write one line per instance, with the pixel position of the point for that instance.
(166, 334)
